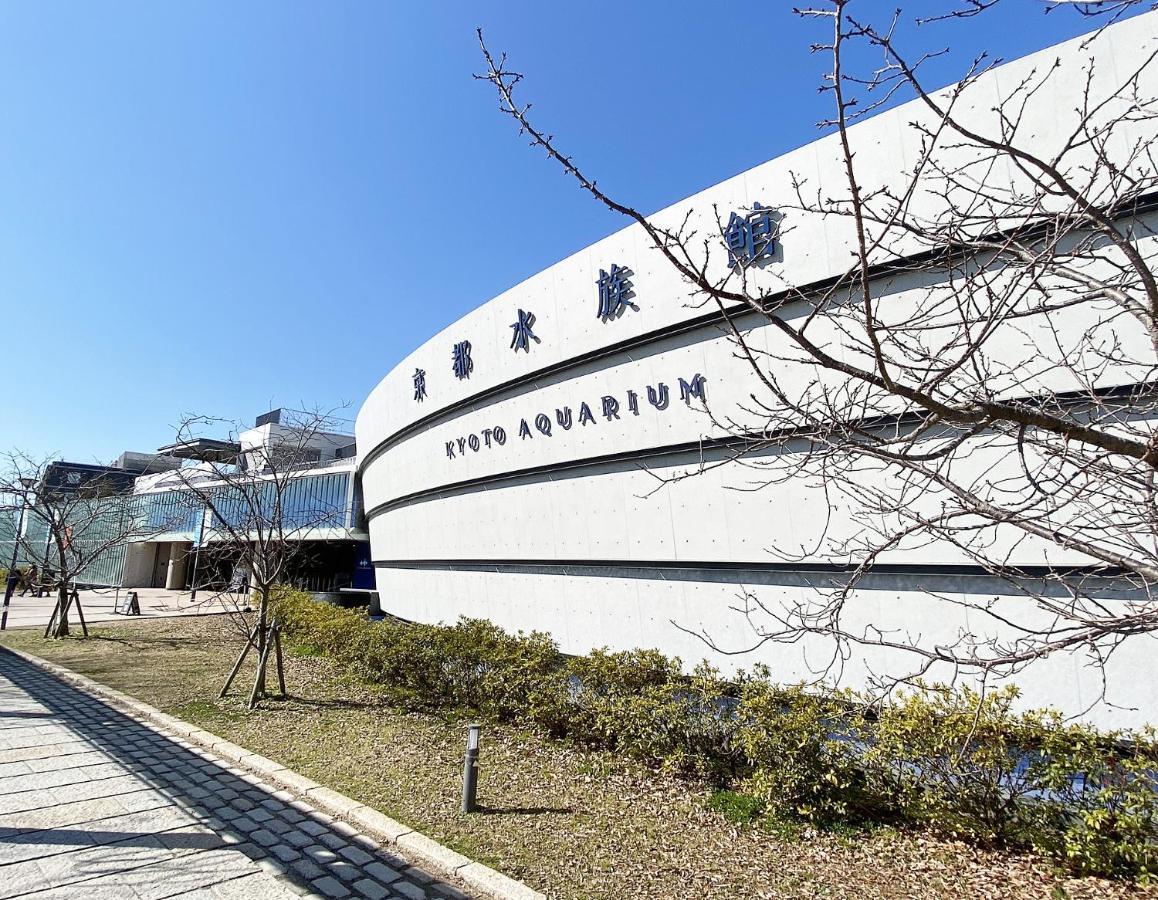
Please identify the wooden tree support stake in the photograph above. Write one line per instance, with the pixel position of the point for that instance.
(79, 611)
(280, 666)
(259, 678)
(249, 645)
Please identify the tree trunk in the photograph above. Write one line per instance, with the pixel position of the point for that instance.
(262, 640)
(62, 604)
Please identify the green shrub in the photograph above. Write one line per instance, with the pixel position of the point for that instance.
(953, 760)
(1101, 811)
(804, 752)
(685, 725)
(603, 685)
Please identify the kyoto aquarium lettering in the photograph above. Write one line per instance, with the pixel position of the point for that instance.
(610, 408)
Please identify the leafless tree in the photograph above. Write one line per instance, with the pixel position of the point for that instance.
(76, 521)
(980, 376)
(259, 509)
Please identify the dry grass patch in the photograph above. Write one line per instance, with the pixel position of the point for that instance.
(567, 821)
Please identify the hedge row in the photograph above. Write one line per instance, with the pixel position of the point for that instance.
(963, 764)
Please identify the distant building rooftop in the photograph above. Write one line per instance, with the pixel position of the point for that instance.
(203, 449)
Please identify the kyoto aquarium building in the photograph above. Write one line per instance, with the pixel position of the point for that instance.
(512, 465)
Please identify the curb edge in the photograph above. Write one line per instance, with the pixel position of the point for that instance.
(412, 843)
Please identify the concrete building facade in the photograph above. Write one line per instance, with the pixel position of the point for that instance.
(513, 465)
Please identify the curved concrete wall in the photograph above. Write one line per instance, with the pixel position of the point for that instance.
(530, 492)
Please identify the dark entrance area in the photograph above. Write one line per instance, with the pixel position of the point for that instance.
(313, 566)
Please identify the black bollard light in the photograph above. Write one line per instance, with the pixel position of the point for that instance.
(470, 770)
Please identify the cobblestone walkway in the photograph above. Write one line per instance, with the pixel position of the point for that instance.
(96, 805)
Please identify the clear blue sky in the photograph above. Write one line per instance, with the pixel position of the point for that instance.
(221, 207)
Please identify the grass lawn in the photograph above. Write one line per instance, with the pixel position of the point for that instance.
(568, 822)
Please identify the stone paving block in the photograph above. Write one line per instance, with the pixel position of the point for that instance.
(307, 869)
(42, 750)
(19, 801)
(331, 887)
(42, 780)
(250, 887)
(120, 810)
(285, 852)
(280, 825)
(22, 878)
(344, 870)
(271, 865)
(68, 814)
(366, 843)
(7, 770)
(356, 855)
(321, 855)
(382, 872)
(252, 851)
(332, 840)
(108, 890)
(370, 889)
(245, 823)
(416, 874)
(178, 876)
(71, 761)
(409, 889)
(265, 838)
(344, 828)
(84, 865)
(35, 845)
(46, 740)
(298, 838)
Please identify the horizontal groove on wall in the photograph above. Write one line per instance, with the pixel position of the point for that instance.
(706, 449)
(884, 577)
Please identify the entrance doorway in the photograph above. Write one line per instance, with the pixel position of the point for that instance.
(161, 564)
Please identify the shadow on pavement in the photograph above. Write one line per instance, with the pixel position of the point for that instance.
(304, 848)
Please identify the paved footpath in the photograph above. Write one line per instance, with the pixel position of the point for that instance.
(96, 805)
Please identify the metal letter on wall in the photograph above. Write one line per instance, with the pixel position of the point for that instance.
(695, 388)
(523, 335)
(463, 365)
(750, 238)
(615, 292)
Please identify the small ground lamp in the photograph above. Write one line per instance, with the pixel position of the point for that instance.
(470, 770)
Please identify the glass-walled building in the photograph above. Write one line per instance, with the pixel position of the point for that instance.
(320, 516)
(182, 511)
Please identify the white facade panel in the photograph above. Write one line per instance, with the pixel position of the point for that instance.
(575, 533)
